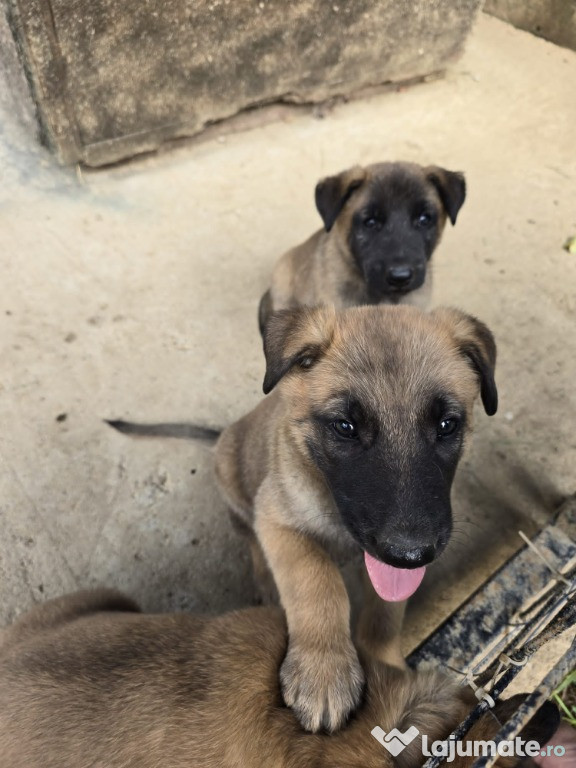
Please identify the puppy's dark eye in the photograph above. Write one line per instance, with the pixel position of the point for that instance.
(370, 222)
(306, 362)
(345, 429)
(424, 220)
(447, 427)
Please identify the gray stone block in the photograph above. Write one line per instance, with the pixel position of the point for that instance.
(114, 79)
(555, 20)
(15, 97)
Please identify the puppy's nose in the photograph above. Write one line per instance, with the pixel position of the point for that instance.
(399, 276)
(401, 556)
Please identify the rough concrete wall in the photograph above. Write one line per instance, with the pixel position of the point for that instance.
(554, 20)
(15, 97)
(115, 78)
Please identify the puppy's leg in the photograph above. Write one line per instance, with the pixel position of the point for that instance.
(266, 592)
(265, 584)
(321, 676)
(379, 627)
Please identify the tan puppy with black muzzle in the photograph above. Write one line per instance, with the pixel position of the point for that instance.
(382, 224)
(88, 682)
(352, 454)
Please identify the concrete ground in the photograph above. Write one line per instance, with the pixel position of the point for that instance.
(132, 292)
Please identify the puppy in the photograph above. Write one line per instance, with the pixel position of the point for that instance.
(381, 226)
(88, 682)
(352, 454)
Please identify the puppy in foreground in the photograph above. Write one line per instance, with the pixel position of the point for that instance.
(88, 682)
(382, 224)
(351, 455)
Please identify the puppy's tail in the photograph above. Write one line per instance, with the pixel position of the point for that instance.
(179, 431)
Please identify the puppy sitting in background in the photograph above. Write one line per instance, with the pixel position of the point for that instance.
(381, 226)
(88, 682)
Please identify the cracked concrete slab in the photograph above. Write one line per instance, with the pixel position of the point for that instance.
(111, 80)
(131, 293)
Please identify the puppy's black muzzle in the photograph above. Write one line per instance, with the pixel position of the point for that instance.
(404, 520)
(400, 278)
(384, 281)
(404, 552)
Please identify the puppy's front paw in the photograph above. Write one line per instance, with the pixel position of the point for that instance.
(321, 685)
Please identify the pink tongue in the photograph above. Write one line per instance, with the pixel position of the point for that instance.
(393, 584)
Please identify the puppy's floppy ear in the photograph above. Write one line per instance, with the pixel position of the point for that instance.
(451, 186)
(476, 342)
(295, 337)
(333, 192)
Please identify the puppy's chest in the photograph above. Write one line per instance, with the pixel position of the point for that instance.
(354, 293)
(313, 512)
(351, 293)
